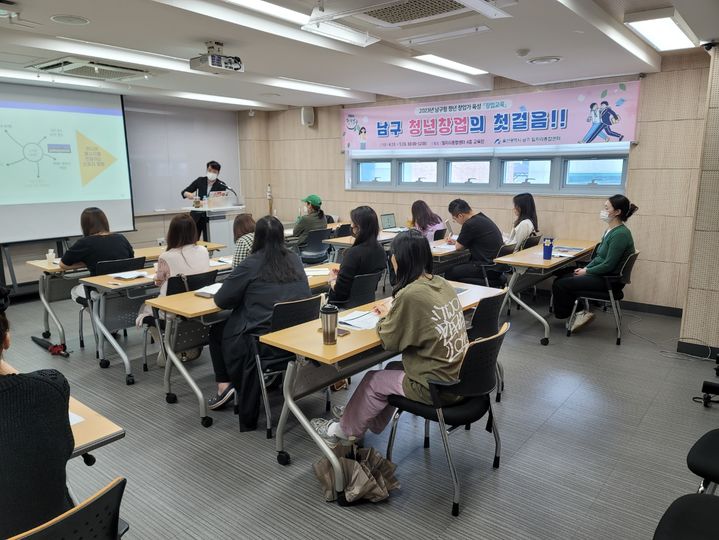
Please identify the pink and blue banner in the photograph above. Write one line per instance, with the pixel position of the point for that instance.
(588, 115)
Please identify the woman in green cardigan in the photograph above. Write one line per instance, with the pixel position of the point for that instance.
(616, 246)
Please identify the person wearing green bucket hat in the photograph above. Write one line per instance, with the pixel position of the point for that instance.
(314, 219)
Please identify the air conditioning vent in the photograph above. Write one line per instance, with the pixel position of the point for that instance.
(416, 12)
(88, 69)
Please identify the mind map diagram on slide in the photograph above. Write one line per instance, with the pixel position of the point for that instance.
(92, 158)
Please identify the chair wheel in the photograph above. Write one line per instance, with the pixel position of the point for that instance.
(46, 334)
(496, 462)
(283, 458)
(206, 421)
(104, 363)
(171, 398)
(89, 459)
(129, 380)
(544, 341)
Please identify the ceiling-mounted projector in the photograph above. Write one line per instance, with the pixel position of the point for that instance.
(215, 62)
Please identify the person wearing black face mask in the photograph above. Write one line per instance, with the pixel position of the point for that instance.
(201, 187)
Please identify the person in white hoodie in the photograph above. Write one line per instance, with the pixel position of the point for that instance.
(525, 223)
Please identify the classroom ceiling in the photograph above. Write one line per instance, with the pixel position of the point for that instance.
(286, 66)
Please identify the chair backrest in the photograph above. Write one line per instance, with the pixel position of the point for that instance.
(329, 218)
(315, 238)
(505, 249)
(485, 321)
(119, 265)
(439, 234)
(96, 517)
(477, 376)
(176, 284)
(625, 274)
(387, 221)
(286, 314)
(531, 241)
(364, 287)
(343, 230)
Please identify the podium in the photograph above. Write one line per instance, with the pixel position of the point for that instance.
(219, 226)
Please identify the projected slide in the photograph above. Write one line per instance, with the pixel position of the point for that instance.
(61, 151)
(55, 153)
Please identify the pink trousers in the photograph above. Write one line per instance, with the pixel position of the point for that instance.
(368, 408)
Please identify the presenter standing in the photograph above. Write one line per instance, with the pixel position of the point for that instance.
(201, 188)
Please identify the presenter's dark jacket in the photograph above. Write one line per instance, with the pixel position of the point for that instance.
(199, 185)
(35, 444)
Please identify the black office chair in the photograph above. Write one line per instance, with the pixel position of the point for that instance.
(702, 461)
(97, 517)
(175, 285)
(364, 287)
(690, 517)
(102, 269)
(485, 323)
(315, 252)
(611, 296)
(494, 267)
(343, 230)
(272, 362)
(439, 234)
(476, 381)
(530, 241)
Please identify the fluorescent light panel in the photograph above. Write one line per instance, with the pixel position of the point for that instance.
(450, 64)
(340, 32)
(663, 29)
(487, 9)
(273, 10)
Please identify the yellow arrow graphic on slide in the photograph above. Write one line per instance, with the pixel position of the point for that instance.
(93, 158)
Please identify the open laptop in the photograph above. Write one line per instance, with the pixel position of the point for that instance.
(389, 224)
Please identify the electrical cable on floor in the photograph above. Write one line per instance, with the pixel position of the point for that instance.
(674, 355)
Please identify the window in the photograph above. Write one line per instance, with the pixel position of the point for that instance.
(468, 172)
(375, 171)
(424, 172)
(594, 172)
(527, 172)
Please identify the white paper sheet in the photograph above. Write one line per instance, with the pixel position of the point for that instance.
(132, 274)
(362, 320)
(75, 418)
(444, 247)
(317, 272)
(210, 289)
(216, 263)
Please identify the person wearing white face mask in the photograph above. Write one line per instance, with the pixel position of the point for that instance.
(201, 188)
(616, 246)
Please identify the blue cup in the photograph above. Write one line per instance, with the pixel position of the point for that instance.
(548, 245)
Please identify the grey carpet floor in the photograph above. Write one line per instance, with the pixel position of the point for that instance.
(594, 440)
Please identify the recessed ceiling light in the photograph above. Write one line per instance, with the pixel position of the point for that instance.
(450, 64)
(663, 29)
(544, 60)
(71, 20)
(424, 39)
(341, 32)
(300, 81)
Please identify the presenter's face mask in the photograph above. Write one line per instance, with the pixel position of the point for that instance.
(211, 176)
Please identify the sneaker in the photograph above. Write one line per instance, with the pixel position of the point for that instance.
(218, 401)
(581, 319)
(338, 411)
(321, 426)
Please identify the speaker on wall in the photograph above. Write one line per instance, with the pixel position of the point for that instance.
(307, 116)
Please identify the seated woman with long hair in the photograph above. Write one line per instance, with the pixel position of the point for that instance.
(35, 441)
(366, 256)
(425, 323)
(426, 221)
(271, 274)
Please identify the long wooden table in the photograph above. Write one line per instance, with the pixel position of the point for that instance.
(93, 431)
(529, 267)
(318, 366)
(52, 276)
(190, 306)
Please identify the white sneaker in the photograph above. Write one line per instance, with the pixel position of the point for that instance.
(322, 425)
(338, 411)
(581, 319)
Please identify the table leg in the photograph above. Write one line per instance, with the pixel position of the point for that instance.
(98, 313)
(44, 291)
(172, 358)
(516, 298)
(291, 404)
